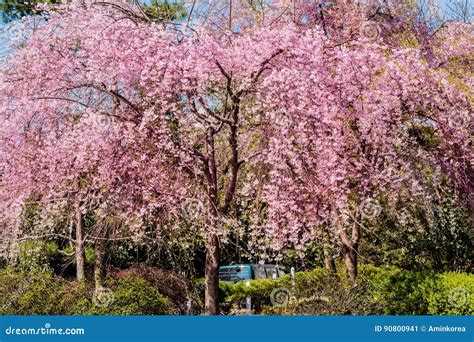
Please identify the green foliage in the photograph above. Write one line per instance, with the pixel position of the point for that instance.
(142, 291)
(314, 280)
(454, 295)
(68, 255)
(155, 9)
(379, 291)
(433, 234)
(259, 289)
(15, 9)
(123, 255)
(35, 292)
(313, 256)
(127, 296)
(38, 254)
(404, 292)
(173, 286)
(310, 293)
(44, 255)
(135, 296)
(233, 295)
(165, 11)
(31, 292)
(421, 292)
(323, 292)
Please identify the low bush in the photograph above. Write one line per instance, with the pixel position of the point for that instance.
(125, 296)
(171, 285)
(39, 292)
(38, 254)
(260, 290)
(323, 292)
(454, 295)
(405, 292)
(32, 292)
(149, 291)
(379, 291)
(400, 292)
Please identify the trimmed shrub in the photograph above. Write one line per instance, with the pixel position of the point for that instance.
(32, 292)
(323, 292)
(125, 296)
(454, 295)
(379, 291)
(234, 294)
(403, 292)
(36, 292)
(400, 292)
(171, 285)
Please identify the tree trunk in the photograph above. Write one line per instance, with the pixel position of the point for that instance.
(350, 258)
(212, 276)
(329, 261)
(350, 246)
(99, 265)
(328, 258)
(79, 244)
(211, 173)
(211, 282)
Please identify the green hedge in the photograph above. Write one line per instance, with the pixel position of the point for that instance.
(36, 292)
(173, 286)
(379, 291)
(259, 290)
(454, 295)
(126, 296)
(32, 292)
(421, 292)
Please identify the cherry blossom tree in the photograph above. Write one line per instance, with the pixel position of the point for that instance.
(104, 110)
(348, 125)
(175, 109)
(65, 144)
